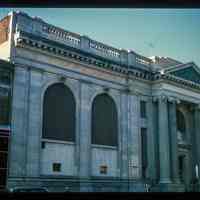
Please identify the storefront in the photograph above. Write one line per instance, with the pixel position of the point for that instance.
(5, 111)
(4, 140)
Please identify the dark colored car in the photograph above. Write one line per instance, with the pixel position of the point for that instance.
(28, 189)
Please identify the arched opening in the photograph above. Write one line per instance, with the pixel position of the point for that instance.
(104, 121)
(59, 113)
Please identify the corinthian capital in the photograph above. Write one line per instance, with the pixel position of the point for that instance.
(155, 99)
(174, 100)
(163, 98)
(197, 107)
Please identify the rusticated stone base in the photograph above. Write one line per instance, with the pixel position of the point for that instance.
(77, 185)
(168, 187)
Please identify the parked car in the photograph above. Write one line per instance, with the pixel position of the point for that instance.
(28, 189)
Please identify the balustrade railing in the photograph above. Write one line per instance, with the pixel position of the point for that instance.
(142, 60)
(105, 49)
(62, 34)
(84, 43)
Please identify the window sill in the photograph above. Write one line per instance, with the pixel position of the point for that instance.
(103, 146)
(57, 141)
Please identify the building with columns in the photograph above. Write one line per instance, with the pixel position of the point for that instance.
(86, 116)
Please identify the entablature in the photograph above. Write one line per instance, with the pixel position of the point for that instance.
(23, 39)
(38, 35)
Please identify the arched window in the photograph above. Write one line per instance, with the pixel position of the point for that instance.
(181, 128)
(59, 113)
(104, 121)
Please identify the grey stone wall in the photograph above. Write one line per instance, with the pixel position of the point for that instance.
(30, 165)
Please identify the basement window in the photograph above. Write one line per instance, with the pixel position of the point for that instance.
(143, 109)
(56, 167)
(103, 169)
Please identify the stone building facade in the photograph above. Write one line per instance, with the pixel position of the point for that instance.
(90, 117)
(6, 74)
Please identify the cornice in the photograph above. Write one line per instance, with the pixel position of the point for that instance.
(181, 82)
(68, 52)
(165, 98)
(24, 39)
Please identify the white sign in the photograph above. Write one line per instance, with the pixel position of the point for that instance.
(197, 171)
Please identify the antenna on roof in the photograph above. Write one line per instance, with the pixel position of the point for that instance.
(152, 45)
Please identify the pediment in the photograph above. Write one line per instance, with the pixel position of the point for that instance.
(191, 73)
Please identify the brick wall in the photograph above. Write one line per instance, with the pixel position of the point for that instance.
(4, 25)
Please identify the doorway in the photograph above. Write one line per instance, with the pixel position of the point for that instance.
(181, 167)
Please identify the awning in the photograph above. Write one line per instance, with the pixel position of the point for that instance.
(4, 131)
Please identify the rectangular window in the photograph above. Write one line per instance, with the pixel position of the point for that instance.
(144, 151)
(5, 77)
(43, 145)
(3, 160)
(3, 144)
(4, 110)
(103, 169)
(56, 167)
(143, 109)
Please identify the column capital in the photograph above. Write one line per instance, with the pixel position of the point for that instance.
(174, 100)
(197, 107)
(165, 99)
(162, 98)
(154, 99)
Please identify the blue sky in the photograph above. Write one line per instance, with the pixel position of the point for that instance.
(164, 32)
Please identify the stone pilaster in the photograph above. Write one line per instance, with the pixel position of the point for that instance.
(17, 146)
(173, 139)
(164, 151)
(34, 124)
(124, 134)
(151, 169)
(85, 137)
(133, 137)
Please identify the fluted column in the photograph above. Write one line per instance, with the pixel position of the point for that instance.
(197, 134)
(163, 129)
(173, 139)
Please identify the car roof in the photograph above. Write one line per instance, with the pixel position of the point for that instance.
(28, 188)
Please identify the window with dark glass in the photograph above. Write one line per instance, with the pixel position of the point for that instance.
(5, 77)
(143, 109)
(103, 169)
(104, 121)
(3, 161)
(144, 151)
(56, 167)
(59, 113)
(181, 167)
(4, 108)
